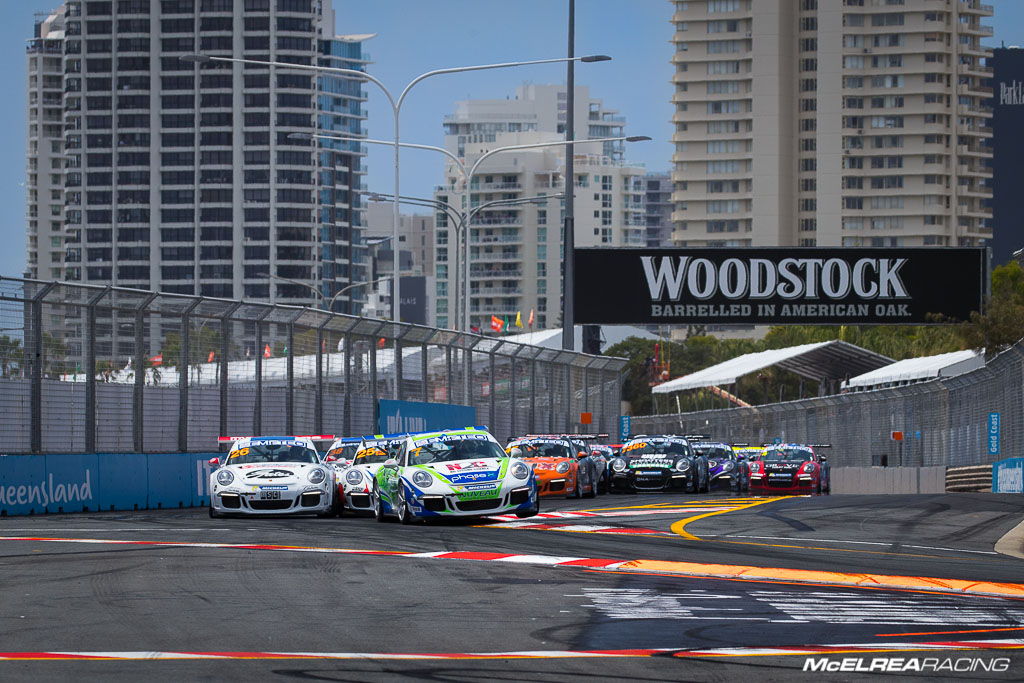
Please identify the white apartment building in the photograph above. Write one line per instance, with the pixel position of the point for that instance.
(45, 182)
(415, 234)
(831, 123)
(516, 250)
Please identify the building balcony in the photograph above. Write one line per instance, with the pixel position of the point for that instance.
(492, 273)
(497, 239)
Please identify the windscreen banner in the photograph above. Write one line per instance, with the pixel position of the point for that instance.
(779, 286)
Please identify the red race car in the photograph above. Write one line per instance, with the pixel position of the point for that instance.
(791, 468)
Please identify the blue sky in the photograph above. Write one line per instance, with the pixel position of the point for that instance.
(414, 36)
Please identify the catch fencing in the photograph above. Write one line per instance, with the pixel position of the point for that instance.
(87, 369)
(971, 419)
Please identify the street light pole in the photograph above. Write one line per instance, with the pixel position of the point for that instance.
(568, 228)
(396, 108)
(319, 294)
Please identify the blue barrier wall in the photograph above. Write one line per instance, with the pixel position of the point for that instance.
(415, 416)
(34, 484)
(1008, 476)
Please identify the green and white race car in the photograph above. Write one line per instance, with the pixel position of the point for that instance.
(452, 473)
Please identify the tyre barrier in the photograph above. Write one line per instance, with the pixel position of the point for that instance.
(969, 479)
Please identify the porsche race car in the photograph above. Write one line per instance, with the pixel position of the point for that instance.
(274, 475)
(355, 482)
(726, 468)
(791, 467)
(559, 465)
(452, 473)
(659, 463)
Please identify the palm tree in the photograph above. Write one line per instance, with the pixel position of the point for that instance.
(10, 356)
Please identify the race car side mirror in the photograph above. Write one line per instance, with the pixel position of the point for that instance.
(740, 456)
(390, 462)
(214, 461)
(330, 458)
(823, 458)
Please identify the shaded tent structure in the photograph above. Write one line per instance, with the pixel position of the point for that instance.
(826, 363)
(914, 370)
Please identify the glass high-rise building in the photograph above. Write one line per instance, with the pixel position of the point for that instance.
(183, 177)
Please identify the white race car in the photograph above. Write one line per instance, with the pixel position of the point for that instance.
(355, 477)
(456, 472)
(272, 475)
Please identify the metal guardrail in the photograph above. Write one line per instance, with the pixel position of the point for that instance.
(945, 421)
(86, 369)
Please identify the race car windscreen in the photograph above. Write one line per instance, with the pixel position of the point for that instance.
(787, 454)
(542, 450)
(273, 452)
(372, 455)
(454, 449)
(345, 452)
(656, 448)
(714, 452)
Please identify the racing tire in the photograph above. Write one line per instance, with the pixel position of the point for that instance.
(523, 514)
(707, 482)
(577, 490)
(378, 506)
(334, 510)
(214, 514)
(405, 516)
(592, 493)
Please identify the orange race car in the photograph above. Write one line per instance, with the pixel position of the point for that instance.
(557, 466)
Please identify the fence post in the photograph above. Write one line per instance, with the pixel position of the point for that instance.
(90, 373)
(348, 384)
(225, 352)
(373, 371)
(257, 403)
(533, 395)
(586, 396)
(35, 315)
(423, 371)
(512, 397)
(467, 358)
(448, 388)
(399, 371)
(139, 390)
(570, 396)
(494, 391)
(318, 408)
(183, 361)
(289, 393)
(552, 397)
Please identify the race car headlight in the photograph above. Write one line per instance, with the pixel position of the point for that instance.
(562, 467)
(224, 477)
(683, 465)
(618, 464)
(316, 476)
(354, 477)
(422, 479)
(808, 467)
(728, 466)
(520, 471)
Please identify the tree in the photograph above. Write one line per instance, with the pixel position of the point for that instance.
(11, 355)
(1002, 323)
(201, 340)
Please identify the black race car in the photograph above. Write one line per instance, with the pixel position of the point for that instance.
(659, 463)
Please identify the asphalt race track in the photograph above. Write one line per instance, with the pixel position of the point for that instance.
(591, 588)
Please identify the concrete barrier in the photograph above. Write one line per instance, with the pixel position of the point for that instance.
(888, 480)
(35, 484)
(969, 479)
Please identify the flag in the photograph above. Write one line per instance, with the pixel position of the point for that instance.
(210, 357)
(128, 365)
(519, 320)
(497, 324)
(248, 352)
(323, 346)
(475, 329)
(530, 321)
(341, 343)
(381, 343)
(266, 351)
(158, 359)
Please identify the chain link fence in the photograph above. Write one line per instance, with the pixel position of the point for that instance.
(944, 421)
(86, 369)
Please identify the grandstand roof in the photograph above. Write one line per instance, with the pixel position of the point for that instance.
(817, 361)
(918, 369)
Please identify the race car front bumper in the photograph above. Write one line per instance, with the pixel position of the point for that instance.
(520, 498)
(291, 501)
(667, 479)
(801, 482)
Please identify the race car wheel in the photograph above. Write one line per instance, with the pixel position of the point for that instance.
(592, 493)
(214, 514)
(378, 507)
(402, 510)
(334, 510)
(577, 491)
(707, 482)
(522, 514)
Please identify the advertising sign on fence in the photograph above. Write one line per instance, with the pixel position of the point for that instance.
(624, 428)
(776, 286)
(416, 416)
(1008, 476)
(993, 434)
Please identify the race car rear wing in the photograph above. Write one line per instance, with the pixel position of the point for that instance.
(314, 437)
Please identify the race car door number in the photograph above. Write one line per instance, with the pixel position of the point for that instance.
(270, 495)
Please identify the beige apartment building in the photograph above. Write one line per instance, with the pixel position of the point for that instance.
(831, 123)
